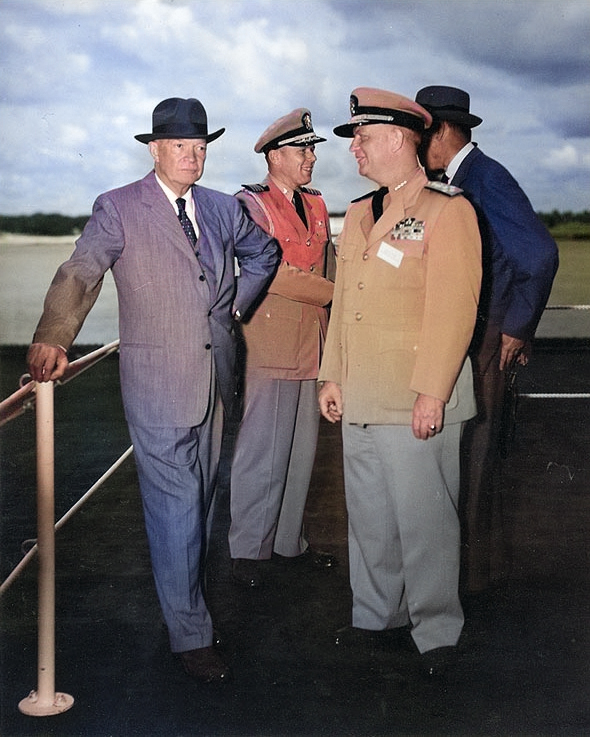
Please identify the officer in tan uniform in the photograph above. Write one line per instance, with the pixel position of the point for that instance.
(276, 443)
(395, 372)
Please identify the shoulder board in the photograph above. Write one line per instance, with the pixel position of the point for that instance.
(365, 196)
(255, 187)
(449, 189)
(309, 190)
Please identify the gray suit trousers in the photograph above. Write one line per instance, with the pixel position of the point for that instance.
(271, 469)
(401, 496)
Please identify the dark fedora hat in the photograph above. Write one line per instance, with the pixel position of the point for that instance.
(447, 103)
(178, 118)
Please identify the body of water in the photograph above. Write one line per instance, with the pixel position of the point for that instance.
(28, 264)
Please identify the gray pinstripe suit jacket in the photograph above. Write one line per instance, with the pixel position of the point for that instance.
(172, 322)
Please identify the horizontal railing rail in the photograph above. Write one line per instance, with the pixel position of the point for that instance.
(567, 307)
(24, 398)
(32, 551)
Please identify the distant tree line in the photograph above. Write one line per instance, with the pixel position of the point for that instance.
(574, 226)
(55, 224)
(43, 224)
(553, 218)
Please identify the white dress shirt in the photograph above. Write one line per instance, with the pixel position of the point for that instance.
(190, 204)
(457, 160)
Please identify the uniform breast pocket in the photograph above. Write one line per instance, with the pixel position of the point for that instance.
(320, 235)
(412, 267)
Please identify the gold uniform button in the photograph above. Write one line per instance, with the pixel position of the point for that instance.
(365, 256)
(358, 316)
(361, 285)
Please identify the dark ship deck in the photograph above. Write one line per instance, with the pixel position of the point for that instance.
(524, 664)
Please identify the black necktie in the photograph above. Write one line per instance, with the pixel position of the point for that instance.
(298, 202)
(377, 203)
(187, 226)
(444, 178)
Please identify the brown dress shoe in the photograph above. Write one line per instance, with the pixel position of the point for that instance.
(248, 572)
(205, 665)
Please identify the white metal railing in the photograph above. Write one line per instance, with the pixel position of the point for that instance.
(45, 701)
(567, 307)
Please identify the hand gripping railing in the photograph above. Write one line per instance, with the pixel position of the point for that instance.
(24, 398)
(45, 701)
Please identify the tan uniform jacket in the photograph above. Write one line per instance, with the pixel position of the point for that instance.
(285, 334)
(401, 323)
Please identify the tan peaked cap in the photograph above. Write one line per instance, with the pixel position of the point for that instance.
(370, 106)
(293, 129)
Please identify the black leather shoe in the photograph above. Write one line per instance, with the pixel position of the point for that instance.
(312, 557)
(389, 640)
(354, 637)
(437, 662)
(247, 571)
(205, 664)
(321, 560)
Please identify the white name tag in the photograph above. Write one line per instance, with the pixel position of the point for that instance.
(390, 254)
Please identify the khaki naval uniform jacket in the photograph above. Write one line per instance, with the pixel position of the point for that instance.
(404, 306)
(285, 334)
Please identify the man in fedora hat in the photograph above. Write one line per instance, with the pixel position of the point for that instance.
(395, 372)
(276, 443)
(520, 260)
(171, 247)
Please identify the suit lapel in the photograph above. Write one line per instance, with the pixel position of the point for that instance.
(393, 212)
(163, 217)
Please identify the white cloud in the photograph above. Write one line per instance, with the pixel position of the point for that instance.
(567, 157)
(79, 78)
(72, 136)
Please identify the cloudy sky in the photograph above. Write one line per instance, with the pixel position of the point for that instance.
(79, 78)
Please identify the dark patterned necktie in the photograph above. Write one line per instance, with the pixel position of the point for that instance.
(377, 203)
(187, 226)
(298, 202)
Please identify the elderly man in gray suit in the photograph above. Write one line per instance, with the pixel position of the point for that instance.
(171, 246)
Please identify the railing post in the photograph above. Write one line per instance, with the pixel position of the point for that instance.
(45, 701)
